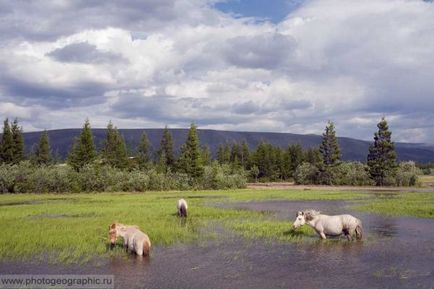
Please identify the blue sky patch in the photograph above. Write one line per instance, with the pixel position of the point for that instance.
(274, 10)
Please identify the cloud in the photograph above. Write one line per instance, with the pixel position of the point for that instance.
(158, 62)
(83, 52)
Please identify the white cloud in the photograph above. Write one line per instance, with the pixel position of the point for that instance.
(172, 62)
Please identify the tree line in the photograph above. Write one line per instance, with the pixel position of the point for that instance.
(321, 165)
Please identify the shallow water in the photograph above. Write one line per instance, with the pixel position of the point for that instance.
(398, 253)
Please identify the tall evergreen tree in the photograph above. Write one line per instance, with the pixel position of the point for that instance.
(206, 155)
(7, 144)
(83, 149)
(313, 156)
(295, 158)
(236, 155)
(382, 156)
(42, 154)
(115, 151)
(224, 154)
(18, 142)
(190, 161)
(143, 156)
(166, 157)
(245, 155)
(329, 147)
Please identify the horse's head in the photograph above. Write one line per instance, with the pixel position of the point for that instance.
(116, 230)
(300, 220)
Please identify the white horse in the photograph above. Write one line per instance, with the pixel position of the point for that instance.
(182, 207)
(134, 239)
(330, 225)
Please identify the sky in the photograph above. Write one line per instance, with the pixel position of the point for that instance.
(244, 65)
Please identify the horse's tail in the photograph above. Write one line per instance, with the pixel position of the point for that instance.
(146, 247)
(183, 210)
(359, 231)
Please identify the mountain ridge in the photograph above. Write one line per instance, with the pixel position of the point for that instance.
(352, 149)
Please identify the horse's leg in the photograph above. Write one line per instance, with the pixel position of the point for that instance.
(323, 236)
(347, 233)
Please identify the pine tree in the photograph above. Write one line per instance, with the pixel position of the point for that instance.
(235, 156)
(382, 156)
(143, 157)
(18, 140)
(295, 158)
(329, 147)
(224, 154)
(166, 157)
(115, 151)
(190, 161)
(245, 155)
(42, 153)
(7, 144)
(206, 156)
(83, 149)
(313, 156)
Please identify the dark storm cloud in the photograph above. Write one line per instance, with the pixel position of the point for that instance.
(84, 52)
(170, 109)
(54, 96)
(47, 20)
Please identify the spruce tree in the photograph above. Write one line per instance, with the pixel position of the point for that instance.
(245, 155)
(115, 151)
(166, 157)
(7, 144)
(313, 156)
(382, 156)
(83, 149)
(295, 158)
(206, 156)
(190, 161)
(143, 158)
(235, 157)
(42, 153)
(18, 142)
(329, 147)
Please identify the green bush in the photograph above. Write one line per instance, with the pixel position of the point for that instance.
(223, 177)
(306, 174)
(352, 174)
(407, 174)
(28, 178)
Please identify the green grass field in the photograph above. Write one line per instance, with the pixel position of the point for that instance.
(73, 228)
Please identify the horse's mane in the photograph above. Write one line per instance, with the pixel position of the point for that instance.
(309, 214)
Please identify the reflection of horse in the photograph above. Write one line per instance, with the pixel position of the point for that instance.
(182, 208)
(134, 239)
(330, 225)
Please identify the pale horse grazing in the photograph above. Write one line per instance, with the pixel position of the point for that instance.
(330, 225)
(134, 239)
(182, 207)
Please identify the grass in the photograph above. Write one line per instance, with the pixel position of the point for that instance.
(426, 180)
(403, 204)
(73, 228)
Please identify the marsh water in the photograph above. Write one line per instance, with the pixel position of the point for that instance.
(397, 253)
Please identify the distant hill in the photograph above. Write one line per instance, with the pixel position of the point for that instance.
(352, 149)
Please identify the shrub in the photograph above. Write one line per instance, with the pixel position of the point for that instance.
(407, 174)
(28, 178)
(223, 177)
(306, 174)
(352, 174)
